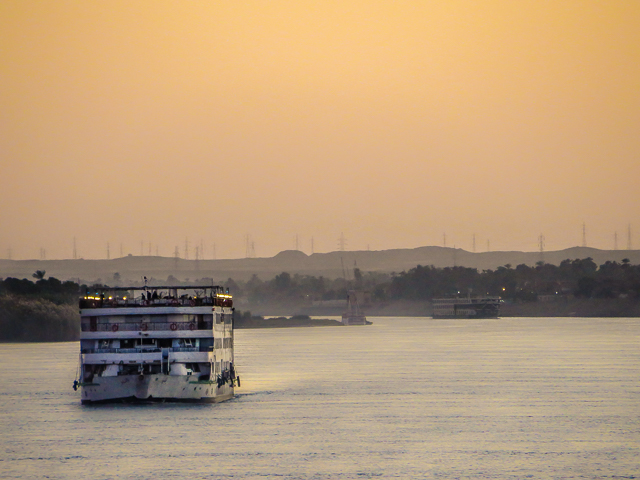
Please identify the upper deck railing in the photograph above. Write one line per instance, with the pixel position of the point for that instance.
(98, 302)
(131, 297)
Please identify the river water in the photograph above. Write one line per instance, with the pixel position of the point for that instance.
(402, 398)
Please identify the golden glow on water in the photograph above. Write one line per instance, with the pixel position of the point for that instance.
(405, 398)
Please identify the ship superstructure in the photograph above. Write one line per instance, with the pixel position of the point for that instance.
(466, 307)
(157, 343)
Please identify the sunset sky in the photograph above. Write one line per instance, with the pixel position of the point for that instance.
(394, 122)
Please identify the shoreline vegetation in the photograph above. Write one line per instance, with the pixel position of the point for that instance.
(40, 320)
(45, 309)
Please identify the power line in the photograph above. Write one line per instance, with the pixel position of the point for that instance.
(250, 247)
(342, 242)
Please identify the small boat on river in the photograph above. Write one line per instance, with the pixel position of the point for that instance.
(466, 307)
(354, 315)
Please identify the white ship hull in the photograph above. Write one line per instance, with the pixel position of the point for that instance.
(159, 387)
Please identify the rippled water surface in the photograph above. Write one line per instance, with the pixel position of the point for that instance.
(403, 398)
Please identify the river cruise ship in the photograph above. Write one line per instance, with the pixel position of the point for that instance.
(466, 307)
(354, 315)
(156, 343)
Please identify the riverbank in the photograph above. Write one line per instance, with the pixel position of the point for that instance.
(563, 307)
(24, 319)
(38, 320)
(284, 322)
(588, 307)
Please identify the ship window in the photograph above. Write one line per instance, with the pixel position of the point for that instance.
(131, 318)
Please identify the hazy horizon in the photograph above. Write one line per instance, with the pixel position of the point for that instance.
(619, 255)
(396, 124)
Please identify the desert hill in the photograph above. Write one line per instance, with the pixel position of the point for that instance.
(330, 265)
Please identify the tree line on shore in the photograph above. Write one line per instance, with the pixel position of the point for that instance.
(46, 309)
(580, 278)
(42, 311)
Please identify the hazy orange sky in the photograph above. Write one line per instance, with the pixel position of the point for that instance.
(394, 122)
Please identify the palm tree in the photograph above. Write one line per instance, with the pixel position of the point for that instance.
(39, 275)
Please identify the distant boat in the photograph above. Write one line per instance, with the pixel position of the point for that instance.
(353, 315)
(466, 307)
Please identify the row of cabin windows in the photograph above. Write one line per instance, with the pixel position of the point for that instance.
(200, 319)
(202, 343)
